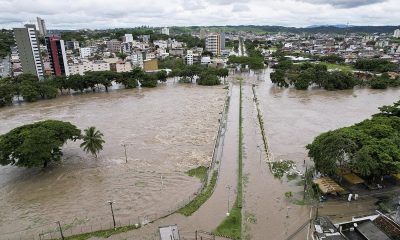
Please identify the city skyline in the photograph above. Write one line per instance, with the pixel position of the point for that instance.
(121, 13)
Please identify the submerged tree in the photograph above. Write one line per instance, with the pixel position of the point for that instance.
(92, 141)
(37, 144)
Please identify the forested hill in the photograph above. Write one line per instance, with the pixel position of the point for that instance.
(314, 29)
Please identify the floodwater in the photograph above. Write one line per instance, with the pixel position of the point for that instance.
(294, 118)
(168, 130)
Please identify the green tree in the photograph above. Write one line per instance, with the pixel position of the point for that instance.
(92, 141)
(37, 144)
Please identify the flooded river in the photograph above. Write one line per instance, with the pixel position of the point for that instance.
(168, 130)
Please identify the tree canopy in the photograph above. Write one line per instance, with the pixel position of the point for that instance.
(36, 144)
(370, 148)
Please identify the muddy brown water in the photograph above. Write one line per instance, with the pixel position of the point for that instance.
(168, 130)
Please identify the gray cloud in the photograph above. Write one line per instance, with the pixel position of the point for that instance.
(344, 3)
(73, 14)
(240, 8)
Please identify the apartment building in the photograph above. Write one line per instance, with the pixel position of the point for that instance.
(58, 59)
(42, 26)
(114, 46)
(84, 66)
(213, 44)
(28, 50)
(85, 52)
(189, 57)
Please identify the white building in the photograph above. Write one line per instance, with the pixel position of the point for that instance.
(137, 59)
(396, 33)
(189, 57)
(85, 52)
(85, 66)
(213, 44)
(128, 38)
(165, 31)
(205, 60)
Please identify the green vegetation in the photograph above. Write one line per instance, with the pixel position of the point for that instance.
(200, 199)
(31, 89)
(301, 76)
(370, 148)
(375, 65)
(334, 59)
(6, 41)
(383, 82)
(232, 225)
(102, 233)
(280, 168)
(92, 141)
(199, 172)
(37, 144)
(254, 63)
(207, 76)
(341, 67)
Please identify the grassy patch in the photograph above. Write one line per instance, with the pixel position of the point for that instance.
(341, 67)
(199, 172)
(102, 233)
(196, 203)
(232, 225)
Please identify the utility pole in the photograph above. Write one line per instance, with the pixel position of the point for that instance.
(112, 212)
(126, 156)
(59, 227)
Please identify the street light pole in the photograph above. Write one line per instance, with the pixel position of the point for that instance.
(59, 226)
(229, 191)
(112, 212)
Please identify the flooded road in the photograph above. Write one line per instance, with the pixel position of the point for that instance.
(168, 130)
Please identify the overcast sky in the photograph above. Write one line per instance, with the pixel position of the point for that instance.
(76, 14)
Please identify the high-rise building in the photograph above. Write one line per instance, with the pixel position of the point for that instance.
(189, 57)
(222, 34)
(42, 26)
(396, 33)
(165, 31)
(58, 58)
(28, 50)
(213, 44)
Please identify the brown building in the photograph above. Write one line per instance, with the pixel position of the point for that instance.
(150, 65)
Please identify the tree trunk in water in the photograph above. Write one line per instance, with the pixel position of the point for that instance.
(106, 88)
(45, 164)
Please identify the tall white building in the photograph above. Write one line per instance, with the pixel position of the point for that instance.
(189, 57)
(85, 52)
(396, 33)
(41, 26)
(165, 31)
(128, 38)
(213, 44)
